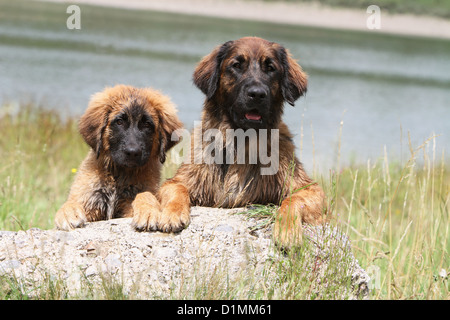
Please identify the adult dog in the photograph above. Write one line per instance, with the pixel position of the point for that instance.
(246, 83)
(128, 130)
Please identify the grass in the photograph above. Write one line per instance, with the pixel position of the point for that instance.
(38, 152)
(396, 215)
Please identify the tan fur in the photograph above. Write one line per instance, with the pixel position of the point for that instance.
(237, 185)
(130, 191)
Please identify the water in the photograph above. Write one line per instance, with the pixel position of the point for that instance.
(375, 88)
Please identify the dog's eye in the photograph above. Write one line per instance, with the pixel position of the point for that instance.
(145, 123)
(237, 65)
(119, 122)
(270, 68)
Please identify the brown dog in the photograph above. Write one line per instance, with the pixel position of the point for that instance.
(128, 130)
(246, 83)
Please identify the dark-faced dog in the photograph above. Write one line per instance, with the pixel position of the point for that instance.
(128, 130)
(246, 83)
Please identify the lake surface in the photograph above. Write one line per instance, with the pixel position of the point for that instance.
(380, 86)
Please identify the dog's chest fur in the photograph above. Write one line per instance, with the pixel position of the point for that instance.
(111, 192)
(243, 185)
(234, 185)
(111, 200)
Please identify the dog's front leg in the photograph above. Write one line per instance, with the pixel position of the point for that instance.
(175, 207)
(71, 215)
(146, 212)
(304, 205)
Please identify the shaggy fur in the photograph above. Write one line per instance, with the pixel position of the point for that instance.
(128, 130)
(246, 83)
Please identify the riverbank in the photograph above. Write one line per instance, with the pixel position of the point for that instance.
(307, 14)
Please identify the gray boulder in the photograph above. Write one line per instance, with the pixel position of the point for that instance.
(222, 254)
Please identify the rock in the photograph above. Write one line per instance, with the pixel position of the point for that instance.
(218, 245)
(112, 262)
(9, 264)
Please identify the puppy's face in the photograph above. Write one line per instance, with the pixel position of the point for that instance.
(129, 126)
(131, 135)
(250, 78)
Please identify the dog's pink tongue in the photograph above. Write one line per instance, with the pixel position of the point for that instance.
(252, 116)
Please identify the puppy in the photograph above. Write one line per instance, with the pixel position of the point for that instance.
(129, 131)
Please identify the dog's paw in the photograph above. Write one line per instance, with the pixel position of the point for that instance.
(285, 236)
(145, 218)
(287, 231)
(146, 211)
(174, 218)
(71, 215)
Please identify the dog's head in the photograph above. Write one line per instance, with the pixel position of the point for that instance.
(248, 79)
(129, 125)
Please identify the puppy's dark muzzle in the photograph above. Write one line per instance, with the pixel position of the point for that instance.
(133, 152)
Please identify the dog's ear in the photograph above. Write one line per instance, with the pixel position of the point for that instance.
(168, 124)
(294, 80)
(207, 73)
(94, 121)
(168, 136)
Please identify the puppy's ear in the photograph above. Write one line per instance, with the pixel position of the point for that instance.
(168, 124)
(294, 80)
(207, 73)
(168, 136)
(94, 121)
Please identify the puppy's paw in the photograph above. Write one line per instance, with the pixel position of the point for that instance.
(71, 215)
(146, 212)
(174, 218)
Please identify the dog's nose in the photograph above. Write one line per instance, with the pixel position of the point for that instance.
(256, 93)
(133, 151)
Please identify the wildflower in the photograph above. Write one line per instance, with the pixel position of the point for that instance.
(443, 274)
